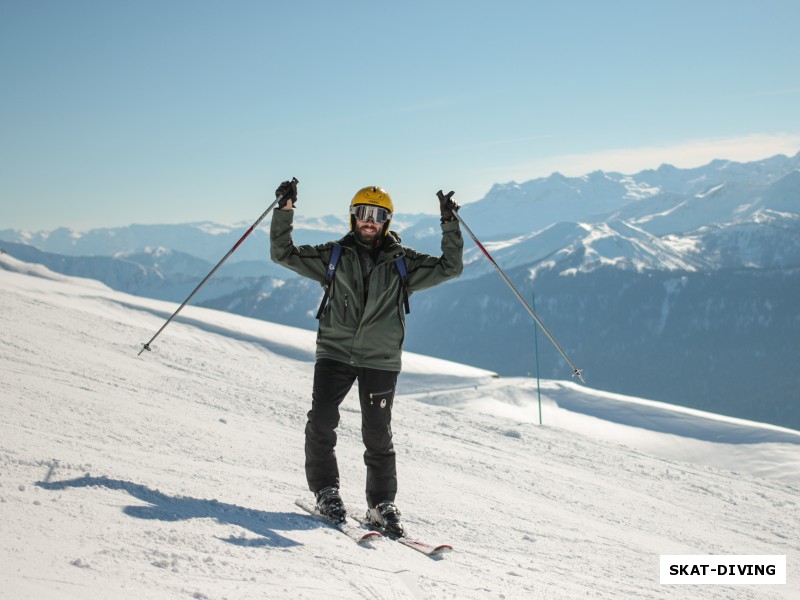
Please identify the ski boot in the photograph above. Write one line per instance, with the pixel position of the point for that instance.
(330, 505)
(386, 517)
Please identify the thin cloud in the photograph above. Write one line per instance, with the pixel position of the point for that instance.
(688, 154)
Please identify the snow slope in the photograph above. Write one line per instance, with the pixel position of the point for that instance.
(173, 475)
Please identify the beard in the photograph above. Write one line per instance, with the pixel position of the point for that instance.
(370, 240)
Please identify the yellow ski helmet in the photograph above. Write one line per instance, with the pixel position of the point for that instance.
(376, 197)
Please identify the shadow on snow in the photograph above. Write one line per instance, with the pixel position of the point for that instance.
(163, 507)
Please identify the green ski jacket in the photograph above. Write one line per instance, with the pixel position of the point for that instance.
(365, 333)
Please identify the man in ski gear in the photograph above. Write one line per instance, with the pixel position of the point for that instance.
(360, 335)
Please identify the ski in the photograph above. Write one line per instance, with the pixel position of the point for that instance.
(424, 547)
(415, 544)
(358, 534)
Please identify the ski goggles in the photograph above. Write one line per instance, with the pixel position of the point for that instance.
(369, 212)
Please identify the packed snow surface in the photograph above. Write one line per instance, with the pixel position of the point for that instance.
(174, 474)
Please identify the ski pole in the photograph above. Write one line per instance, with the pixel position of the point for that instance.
(576, 372)
(214, 270)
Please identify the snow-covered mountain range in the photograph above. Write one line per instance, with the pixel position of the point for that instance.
(173, 475)
(675, 284)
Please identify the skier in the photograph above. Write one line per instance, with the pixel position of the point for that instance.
(360, 335)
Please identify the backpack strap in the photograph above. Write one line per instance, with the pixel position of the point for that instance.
(336, 252)
(402, 270)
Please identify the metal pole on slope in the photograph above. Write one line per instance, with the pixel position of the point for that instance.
(536, 351)
(576, 372)
(214, 270)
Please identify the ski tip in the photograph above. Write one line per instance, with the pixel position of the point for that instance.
(370, 537)
(431, 550)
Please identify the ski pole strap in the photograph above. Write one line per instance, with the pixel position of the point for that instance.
(402, 270)
(336, 252)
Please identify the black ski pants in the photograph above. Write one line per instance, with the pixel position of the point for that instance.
(332, 381)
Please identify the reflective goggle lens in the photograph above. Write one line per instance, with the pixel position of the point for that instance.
(366, 212)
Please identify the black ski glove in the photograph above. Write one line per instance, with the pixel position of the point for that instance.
(447, 206)
(287, 191)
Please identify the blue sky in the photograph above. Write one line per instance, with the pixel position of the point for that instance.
(171, 111)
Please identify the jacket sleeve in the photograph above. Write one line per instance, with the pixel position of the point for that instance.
(308, 261)
(426, 271)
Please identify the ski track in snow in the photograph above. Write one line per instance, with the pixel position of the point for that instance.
(174, 474)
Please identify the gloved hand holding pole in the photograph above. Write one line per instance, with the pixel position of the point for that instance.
(444, 199)
(286, 190)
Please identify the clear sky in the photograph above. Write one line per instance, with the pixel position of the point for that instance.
(173, 111)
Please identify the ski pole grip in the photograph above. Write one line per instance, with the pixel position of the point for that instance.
(279, 198)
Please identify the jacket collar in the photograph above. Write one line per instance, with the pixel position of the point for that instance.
(390, 249)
